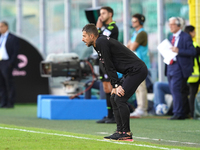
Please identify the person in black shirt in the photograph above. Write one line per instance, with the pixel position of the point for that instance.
(117, 58)
(107, 27)
(105, 23)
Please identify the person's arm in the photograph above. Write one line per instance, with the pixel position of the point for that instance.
(133, 46)
(128, 45)
(103, 45)
(141, 39)
(189, 50)
(99, 23)
(15, 49)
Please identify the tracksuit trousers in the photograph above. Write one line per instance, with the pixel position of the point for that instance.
(120, 107)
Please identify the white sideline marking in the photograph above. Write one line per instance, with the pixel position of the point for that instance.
(102, 132)
(85, 138)
(189, 143)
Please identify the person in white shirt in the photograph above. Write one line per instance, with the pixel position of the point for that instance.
(180, 68)
(9, 47)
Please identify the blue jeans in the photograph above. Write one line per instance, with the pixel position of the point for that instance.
(160, 89)
(97, 85)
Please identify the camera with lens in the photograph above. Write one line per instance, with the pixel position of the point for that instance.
(67, 65)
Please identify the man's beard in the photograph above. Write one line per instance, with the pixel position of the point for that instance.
(105, 20)
(90, 44)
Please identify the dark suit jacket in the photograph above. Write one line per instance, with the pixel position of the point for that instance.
(186, 54)
(12, 47)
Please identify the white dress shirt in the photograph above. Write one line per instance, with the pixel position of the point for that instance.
(3, 51)
(177, 36)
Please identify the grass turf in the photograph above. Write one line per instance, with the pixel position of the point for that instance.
(156, 130)
(17, 138)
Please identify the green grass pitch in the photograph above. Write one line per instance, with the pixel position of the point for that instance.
(20, 129)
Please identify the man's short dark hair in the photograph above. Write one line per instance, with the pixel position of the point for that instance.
(140, 17)
(90, 29)
(5, 23)
(189, 29)
(109, 9)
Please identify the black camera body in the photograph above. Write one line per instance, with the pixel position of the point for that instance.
(65, 65)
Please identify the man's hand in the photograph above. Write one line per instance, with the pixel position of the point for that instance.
(99, 23)
(120, 91)
(113, 91)
(175, 49)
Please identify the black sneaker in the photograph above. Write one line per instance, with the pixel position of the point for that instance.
(126, 137)
(110, 120)
(102, 120)
(114, 136)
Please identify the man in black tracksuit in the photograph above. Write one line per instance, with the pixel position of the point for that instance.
(117, 58)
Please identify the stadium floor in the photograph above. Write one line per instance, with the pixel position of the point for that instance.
(152, 129)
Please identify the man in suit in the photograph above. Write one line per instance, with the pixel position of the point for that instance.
(180, 67)
(8, 55)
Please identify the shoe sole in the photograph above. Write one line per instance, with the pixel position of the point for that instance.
(111, 139)
(106, 139)
(129, 140)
